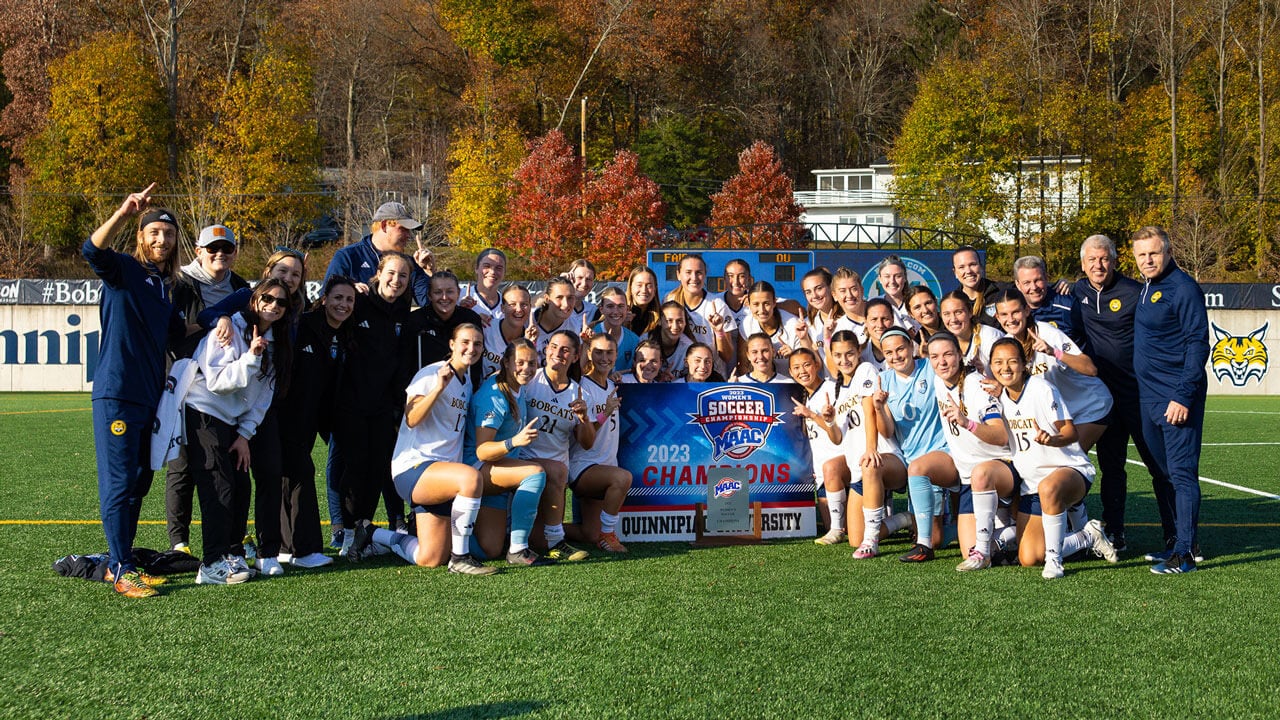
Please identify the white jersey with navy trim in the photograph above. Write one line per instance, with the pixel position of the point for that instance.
(604, 451)
(868, 357)
(785, 336)
(978, 354)
(588, 310)
(844, 322)
(544, 337)
(482, 306)
(675, 363)
(439, 436)
(978, 405)
(820, 446)
(1087, 397)
(557, 431)
(851, 395)
(901, 316)
(777, 377)
(494, 346)
(1039, 407)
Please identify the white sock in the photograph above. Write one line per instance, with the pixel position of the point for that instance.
(1006, 534)
(1055, 526)
(836, 502)
(984, 516)
(1074, 543)
(386, 538)
(896, 522)
(406, 547)
(608, 523)
(1077, 516)
(871, 522)
(463, 522)
(555, 534)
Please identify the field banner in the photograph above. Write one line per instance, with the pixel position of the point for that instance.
(672, 432)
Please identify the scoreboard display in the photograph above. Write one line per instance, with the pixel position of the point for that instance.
(781, 268)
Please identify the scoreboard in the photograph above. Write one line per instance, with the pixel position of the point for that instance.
(781, 268)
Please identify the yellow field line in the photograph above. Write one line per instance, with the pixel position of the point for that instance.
(43, 412)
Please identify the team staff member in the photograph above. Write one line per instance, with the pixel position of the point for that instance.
(137, 318)
(1171, 346)
(1107, 302)
(390, 232)
(1047, 304)
(427, 331)
(972, 276)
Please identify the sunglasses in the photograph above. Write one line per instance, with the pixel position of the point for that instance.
(269, 300)
(224, 248)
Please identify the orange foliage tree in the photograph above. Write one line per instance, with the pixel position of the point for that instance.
(623, 205)
(544, 214)
(760, 194)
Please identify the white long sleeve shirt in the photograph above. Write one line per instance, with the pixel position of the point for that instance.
(230, 384)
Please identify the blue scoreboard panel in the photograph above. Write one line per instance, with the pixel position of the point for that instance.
(782, 268)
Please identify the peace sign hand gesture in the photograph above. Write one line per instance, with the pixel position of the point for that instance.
(259, 344)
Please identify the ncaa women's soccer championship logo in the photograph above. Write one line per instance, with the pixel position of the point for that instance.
(736, 419)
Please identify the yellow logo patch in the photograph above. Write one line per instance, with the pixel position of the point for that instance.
(1115, 305)
(1156, 296)
(1239, 358)
(118, 427)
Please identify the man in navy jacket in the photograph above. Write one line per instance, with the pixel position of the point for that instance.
(1171, 346)
(1107, 301)
(390, 232)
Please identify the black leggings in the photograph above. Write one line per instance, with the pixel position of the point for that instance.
(299, 512)
(367, 445)
(265, 460)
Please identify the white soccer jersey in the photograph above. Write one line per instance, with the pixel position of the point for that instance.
(869, 358)
(675, 363)
(439, 436)
(604, 451)
(494, 346)
(557, 422)
(844, 322)
(901, 316)
(978, 354)
(1086, 396)
(966, 449)
(482, 307)
(849, 404)
(544, 337)
(785, 336)
(777, 377)
(820, 445)
(1039, 408)
(741, 313)
(588, 311)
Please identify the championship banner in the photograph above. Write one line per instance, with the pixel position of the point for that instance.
(672, 433)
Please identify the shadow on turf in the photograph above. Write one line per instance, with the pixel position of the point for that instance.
(510, 708)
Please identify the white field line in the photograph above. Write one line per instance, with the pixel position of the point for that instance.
(1237, 444)
(1241, 488)
(1243, 412)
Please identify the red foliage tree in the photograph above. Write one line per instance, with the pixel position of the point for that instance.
(544, 214)
(760, 193)
(623, 204)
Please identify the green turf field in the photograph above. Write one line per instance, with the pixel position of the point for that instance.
(786, 630)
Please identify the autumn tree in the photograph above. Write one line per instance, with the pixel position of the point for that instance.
(262, 153)
(544, 214)
(106, 133)
(761, 193)
(483, 160)
(622, 207)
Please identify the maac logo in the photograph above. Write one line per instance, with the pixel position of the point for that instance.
(1239, 358)
(727, 488)
(736, 419)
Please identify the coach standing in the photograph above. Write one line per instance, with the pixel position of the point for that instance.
(1107, 301)
(1171, 346)
(138, 317)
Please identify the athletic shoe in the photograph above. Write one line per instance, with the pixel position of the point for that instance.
(250, 549)
(563, 551)
(1099, 543)
(241, 565)
(833, 537)
(528, 558)
(336, 539)
(222, 572)
(1117, 540)
(398, 524)
(182, 547)
(314, 560)
(609, 543)
(285, 558)
(1052, 570)
(918, 553)
(131, 585)
(146, 577)
(1176, 564)
(269, 566)
(866, 551)
(975, 561)
(467, 565)
(1159, 557)
(361, 541)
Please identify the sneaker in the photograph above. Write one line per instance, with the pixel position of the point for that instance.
(269, 566)
(285, 558)
(398, 524)
(182, 547)
(1099, 543)
(336, 539)
(1052, 570)
(609, 543)
(250, 549)
(528, 558)
(866, 551)
(918, 553)
(1159, 557)
(131, 585)
(975, 561)
(1117, 540)
(1177, 563)
(240, 565)
(314, 560)
(143, 575)
(468, 565)
(833, 537)
(220, 573)
(566, 552)
(361, 541)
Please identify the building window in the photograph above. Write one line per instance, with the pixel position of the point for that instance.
(831, 182)
(860, 182)
(876, 220)
(848, 219)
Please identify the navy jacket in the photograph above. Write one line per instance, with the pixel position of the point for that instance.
(360, 263)
(425, 340)
(1061, 312)
(1171, 339)
(138, 318)
(1107, 319)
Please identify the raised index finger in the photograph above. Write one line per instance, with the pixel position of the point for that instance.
(146, 192)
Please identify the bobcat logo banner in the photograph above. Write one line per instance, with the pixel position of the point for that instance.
(673, 436)
(1238, 358)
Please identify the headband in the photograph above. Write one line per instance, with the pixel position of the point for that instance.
(895, 331)
(157, 215)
